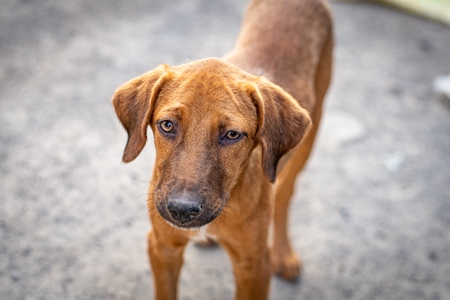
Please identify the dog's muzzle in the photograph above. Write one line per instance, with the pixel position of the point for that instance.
(184, 209)
(189, 209)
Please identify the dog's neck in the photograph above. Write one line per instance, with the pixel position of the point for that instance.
(251, 185)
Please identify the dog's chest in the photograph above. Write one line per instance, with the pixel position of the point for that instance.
(203, 237)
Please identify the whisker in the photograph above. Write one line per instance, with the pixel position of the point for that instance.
(141, 195)
(230, 207)
(147, 184)
(170, 229)
(152, 211)
(220, 222)
(217, 227)
(161, 222)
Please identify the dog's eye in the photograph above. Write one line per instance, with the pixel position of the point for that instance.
(166, 126)
(232, 135)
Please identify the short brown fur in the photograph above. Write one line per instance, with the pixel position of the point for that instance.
(224, 131)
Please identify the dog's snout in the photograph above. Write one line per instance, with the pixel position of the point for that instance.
(184, 209)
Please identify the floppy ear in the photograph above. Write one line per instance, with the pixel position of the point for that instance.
(134, 102)
(282, 124)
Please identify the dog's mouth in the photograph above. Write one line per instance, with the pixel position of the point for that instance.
(187, 214)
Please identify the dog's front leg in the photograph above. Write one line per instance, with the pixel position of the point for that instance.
(165, 249)
(249, 254)
(253, 277)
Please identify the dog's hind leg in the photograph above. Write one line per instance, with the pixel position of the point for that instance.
(284, 260)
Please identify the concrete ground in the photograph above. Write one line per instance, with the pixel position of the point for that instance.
(371, 216)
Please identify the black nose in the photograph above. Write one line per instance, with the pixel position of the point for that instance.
(184, 210)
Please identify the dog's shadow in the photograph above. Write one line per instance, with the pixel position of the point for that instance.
(285, 289)
(212, 259)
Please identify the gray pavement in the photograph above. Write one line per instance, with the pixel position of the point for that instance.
(371, 216)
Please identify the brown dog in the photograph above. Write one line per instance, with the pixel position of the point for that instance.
(221, 137)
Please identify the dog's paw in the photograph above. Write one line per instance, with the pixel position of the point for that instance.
(205, 241)
(286, 265)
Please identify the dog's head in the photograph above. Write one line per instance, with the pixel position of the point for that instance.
(207, 117)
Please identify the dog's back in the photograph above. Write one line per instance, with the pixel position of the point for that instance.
(280, 40)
